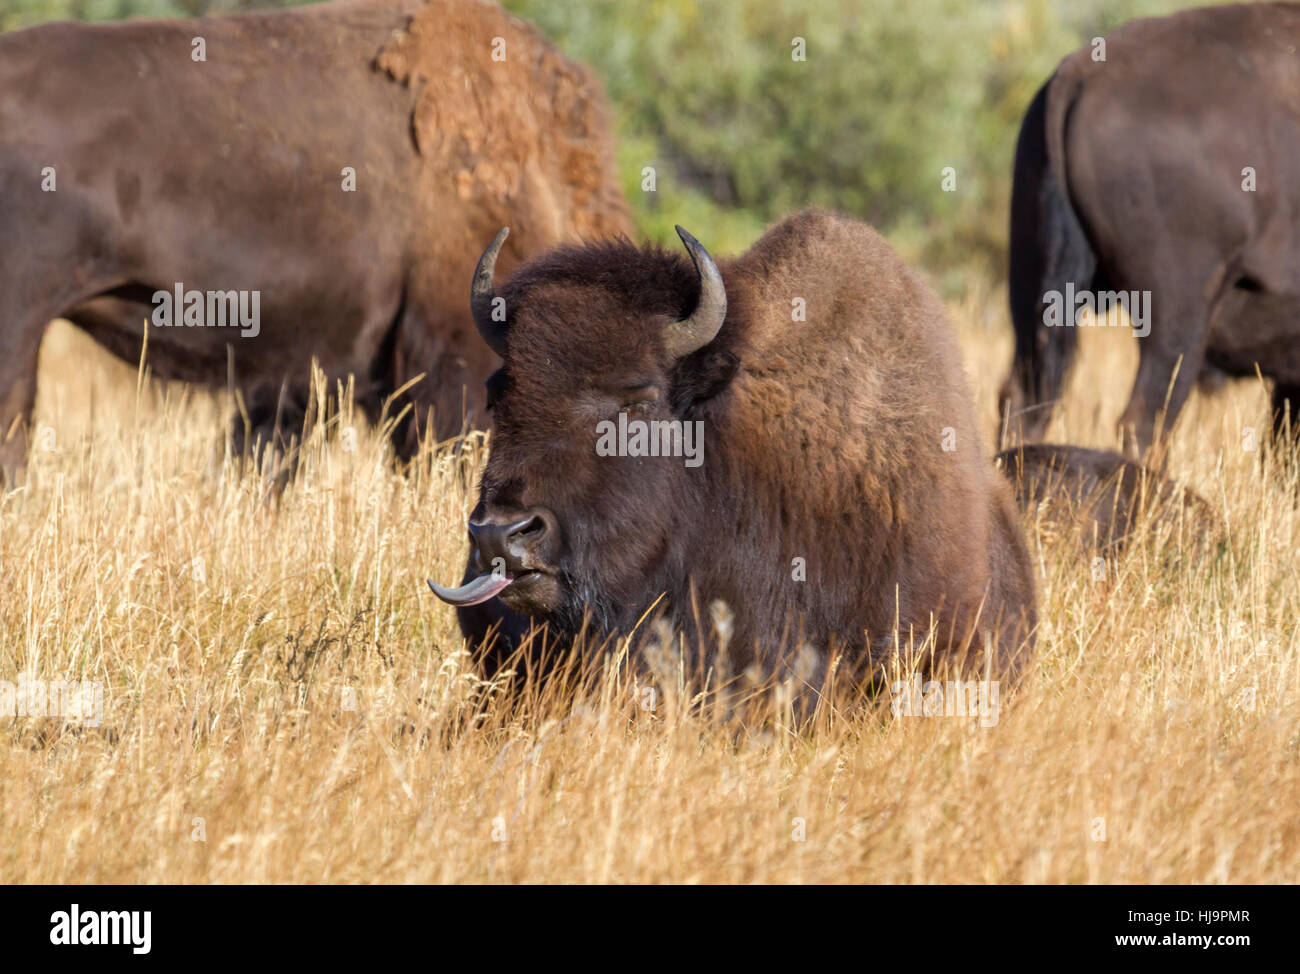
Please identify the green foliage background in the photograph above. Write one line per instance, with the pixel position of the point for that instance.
(708, 93)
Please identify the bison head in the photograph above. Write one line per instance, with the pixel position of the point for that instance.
(595, 340)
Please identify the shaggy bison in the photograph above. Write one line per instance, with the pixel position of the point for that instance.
(1100, 498)
(1162, 168)
(788, 432)
(299, 184)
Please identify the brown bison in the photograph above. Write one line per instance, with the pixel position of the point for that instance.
(1101, 498)
(1160, 171)
(788, 432)
(294, 185)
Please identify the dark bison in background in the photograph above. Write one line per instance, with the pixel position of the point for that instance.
(228, 175)
(1133, 173)
(1099, 499)
(841, 497)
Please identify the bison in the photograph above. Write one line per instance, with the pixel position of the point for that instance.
(808, 457)
(1101, 498)
(323, 171)
(1161, 166)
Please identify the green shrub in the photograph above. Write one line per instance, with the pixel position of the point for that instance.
(889, 95)
(25, 13)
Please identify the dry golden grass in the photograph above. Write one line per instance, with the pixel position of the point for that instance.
(285, 701)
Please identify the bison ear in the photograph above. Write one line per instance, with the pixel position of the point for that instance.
(699, 378)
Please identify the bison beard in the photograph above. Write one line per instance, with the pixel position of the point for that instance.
(829, 445)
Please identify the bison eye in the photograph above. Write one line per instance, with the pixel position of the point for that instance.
(630, 397)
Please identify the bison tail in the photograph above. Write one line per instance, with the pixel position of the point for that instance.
(1049, 251)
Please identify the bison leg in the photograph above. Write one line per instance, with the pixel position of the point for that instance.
(20, 345)
(1286, 413)
(34, 290)
(22, 326)
(265, 429)
(1170, 359)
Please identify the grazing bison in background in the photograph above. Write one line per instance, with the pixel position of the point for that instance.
(339, 161)
(841, 497)
(1101, 498)
(1135, 174)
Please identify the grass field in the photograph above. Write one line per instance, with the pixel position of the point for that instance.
(284, 701)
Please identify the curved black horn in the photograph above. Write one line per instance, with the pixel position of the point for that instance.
(483, 294)
(697, 330)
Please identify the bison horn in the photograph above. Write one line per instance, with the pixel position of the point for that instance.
(694, 332)
(483, 295)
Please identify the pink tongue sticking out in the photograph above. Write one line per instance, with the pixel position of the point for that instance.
(472, 592)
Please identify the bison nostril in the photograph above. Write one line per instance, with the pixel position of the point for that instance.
(529, 529)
